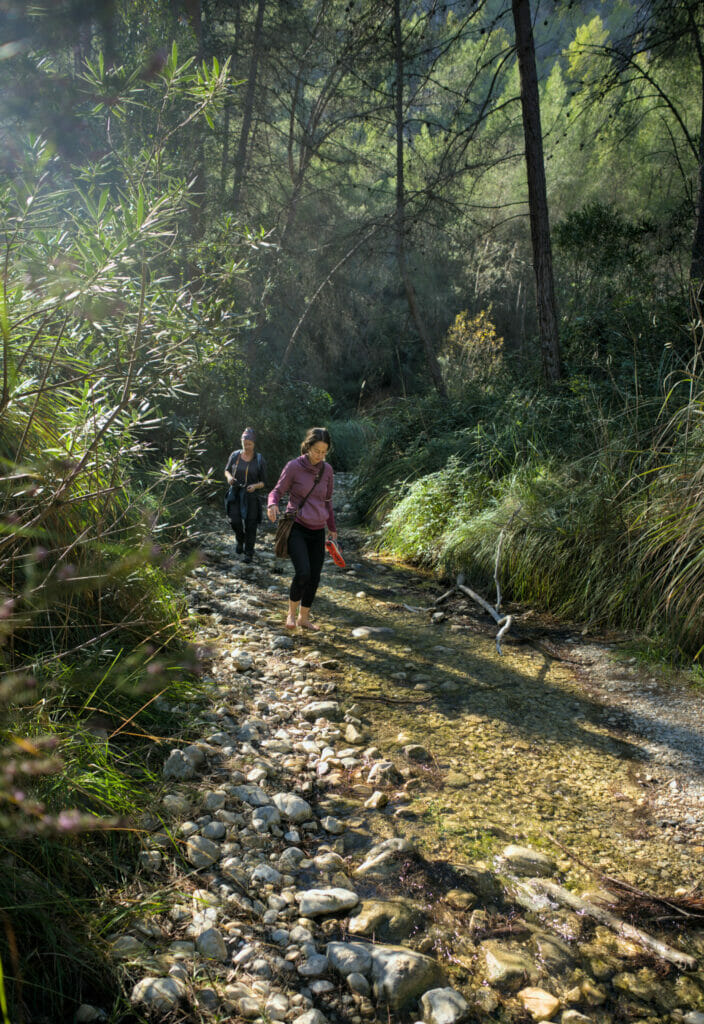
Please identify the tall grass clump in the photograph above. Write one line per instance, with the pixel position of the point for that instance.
(99, 338)
(596, 493)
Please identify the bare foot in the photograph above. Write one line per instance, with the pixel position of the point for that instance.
(308, 625)
(290, 622)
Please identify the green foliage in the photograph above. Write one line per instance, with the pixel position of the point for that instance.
(472, 350)
(100, 338)
(594, 493)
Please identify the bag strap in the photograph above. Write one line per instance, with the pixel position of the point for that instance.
(315, 483)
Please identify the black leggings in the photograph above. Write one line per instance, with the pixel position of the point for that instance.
(306, 550)
(246, 532)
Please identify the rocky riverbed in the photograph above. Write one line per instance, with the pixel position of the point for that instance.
(387, 820)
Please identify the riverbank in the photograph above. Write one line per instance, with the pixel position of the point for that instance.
(336, 835)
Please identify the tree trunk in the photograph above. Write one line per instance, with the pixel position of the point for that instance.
(400, 219)
(234, 68)
(537, 192)
(247, 114)
(696, 270)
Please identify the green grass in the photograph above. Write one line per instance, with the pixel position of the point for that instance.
(596, 498)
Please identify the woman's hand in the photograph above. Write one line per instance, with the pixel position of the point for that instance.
(272, 512)
(331, 535)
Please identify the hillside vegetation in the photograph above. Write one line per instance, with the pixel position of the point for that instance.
(218, 215)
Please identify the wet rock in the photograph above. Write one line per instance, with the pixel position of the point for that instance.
(354, 735)
(642, 985)
(384, 852)
(179, 766)
(417, 752)
(293, 807)
(541, 1005)
(202, 852)
(486, 1000)
(523, 860)
(349, 957)
(553, 952)
(211, 944)
(460, 899)
(400, 975)
(457, 780)
(506, 968)
(160, 994)
(575, 1017)
(283, 643)
(365, 632)
(443, 1006)
(319, 902)
(387, 920)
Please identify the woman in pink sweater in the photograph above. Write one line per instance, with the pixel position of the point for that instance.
(307, 475)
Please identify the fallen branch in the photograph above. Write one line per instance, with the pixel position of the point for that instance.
(444, 597)
(568, 899)
(503, 621)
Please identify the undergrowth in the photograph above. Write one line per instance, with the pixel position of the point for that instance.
(595, 494)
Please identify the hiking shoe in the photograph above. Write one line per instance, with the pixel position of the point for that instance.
(247, 557)
(239, 548)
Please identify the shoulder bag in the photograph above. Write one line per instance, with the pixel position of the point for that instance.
(286, 521)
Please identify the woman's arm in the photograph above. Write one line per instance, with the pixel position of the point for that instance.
(275, 495)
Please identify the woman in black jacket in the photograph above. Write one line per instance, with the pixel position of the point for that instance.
(245, 472)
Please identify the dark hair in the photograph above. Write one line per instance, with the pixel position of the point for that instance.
(315, 435)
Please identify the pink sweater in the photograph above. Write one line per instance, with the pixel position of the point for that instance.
(297, 478)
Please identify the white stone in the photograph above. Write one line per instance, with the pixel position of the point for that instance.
(161, 994)
(311, 1017)
(293, 807)
(211, 944)
(317, 902)
(315, 965)
(201, 852)
(443, 1006)
(265, 873)
(349, 957)
(178, 766)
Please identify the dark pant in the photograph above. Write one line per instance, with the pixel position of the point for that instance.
(306, 550)
(246, 532)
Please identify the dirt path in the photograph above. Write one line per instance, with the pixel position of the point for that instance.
(452, 754)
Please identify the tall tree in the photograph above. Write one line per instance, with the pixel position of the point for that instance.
(537, 192)
(400, 210)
